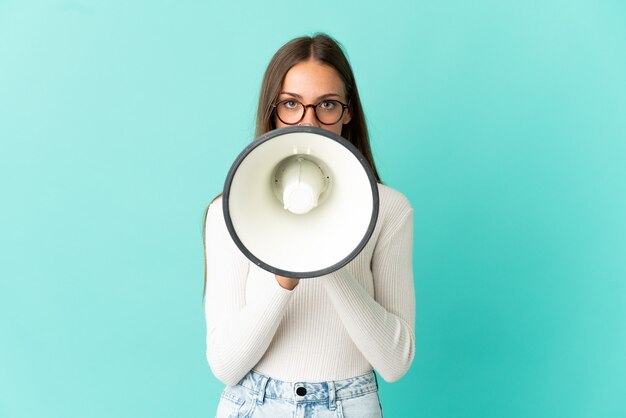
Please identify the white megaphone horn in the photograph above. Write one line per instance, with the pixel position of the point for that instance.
(300, 202)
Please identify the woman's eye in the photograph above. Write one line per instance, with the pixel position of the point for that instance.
(290, 104)
(328, 104)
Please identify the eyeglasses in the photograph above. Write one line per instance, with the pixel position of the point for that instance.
(327, 112)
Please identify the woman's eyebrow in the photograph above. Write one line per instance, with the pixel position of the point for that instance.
(327, 95)
(297, 96)
(323, 96)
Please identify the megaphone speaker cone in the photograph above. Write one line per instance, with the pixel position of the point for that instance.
(300, 182)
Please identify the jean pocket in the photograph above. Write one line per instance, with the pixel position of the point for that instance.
(365, 406)
(229, 405)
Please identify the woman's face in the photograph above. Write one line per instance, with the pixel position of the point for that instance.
(311, 82)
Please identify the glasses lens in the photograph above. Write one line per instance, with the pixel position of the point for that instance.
(290, 111)
(329, 112)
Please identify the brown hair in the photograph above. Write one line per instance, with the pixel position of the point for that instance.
(326, 50)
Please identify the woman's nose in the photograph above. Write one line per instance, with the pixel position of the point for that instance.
(309, 118)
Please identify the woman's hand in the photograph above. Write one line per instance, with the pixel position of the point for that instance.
(286, 282)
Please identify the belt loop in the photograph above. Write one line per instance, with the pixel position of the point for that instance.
(260, 396)
(332, 404)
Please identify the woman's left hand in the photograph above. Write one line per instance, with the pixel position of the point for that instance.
(286, 282)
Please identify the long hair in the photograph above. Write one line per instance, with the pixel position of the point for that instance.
(326, 50)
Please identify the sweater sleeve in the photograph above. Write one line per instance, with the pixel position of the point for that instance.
(381, 327)
(238, 331)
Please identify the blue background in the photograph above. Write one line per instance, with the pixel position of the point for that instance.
(502, 121)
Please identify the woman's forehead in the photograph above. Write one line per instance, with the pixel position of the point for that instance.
(312, 79)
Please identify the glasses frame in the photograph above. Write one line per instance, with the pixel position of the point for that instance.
(344, 106)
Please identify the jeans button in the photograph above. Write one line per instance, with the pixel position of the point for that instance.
(300, 391)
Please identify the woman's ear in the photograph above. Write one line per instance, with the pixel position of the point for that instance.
(347, 117)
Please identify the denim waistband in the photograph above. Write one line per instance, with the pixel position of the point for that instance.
(303, 392)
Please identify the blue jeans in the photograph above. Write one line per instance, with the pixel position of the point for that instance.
(257, 396)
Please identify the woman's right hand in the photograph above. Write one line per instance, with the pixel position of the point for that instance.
(286, 282)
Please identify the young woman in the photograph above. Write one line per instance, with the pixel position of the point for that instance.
(298, 348)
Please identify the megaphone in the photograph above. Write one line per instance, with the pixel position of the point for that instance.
(300, 202)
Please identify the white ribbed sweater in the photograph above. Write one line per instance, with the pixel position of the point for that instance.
(329, 328)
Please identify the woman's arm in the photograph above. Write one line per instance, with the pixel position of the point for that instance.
(382, 327)
(238, 331)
